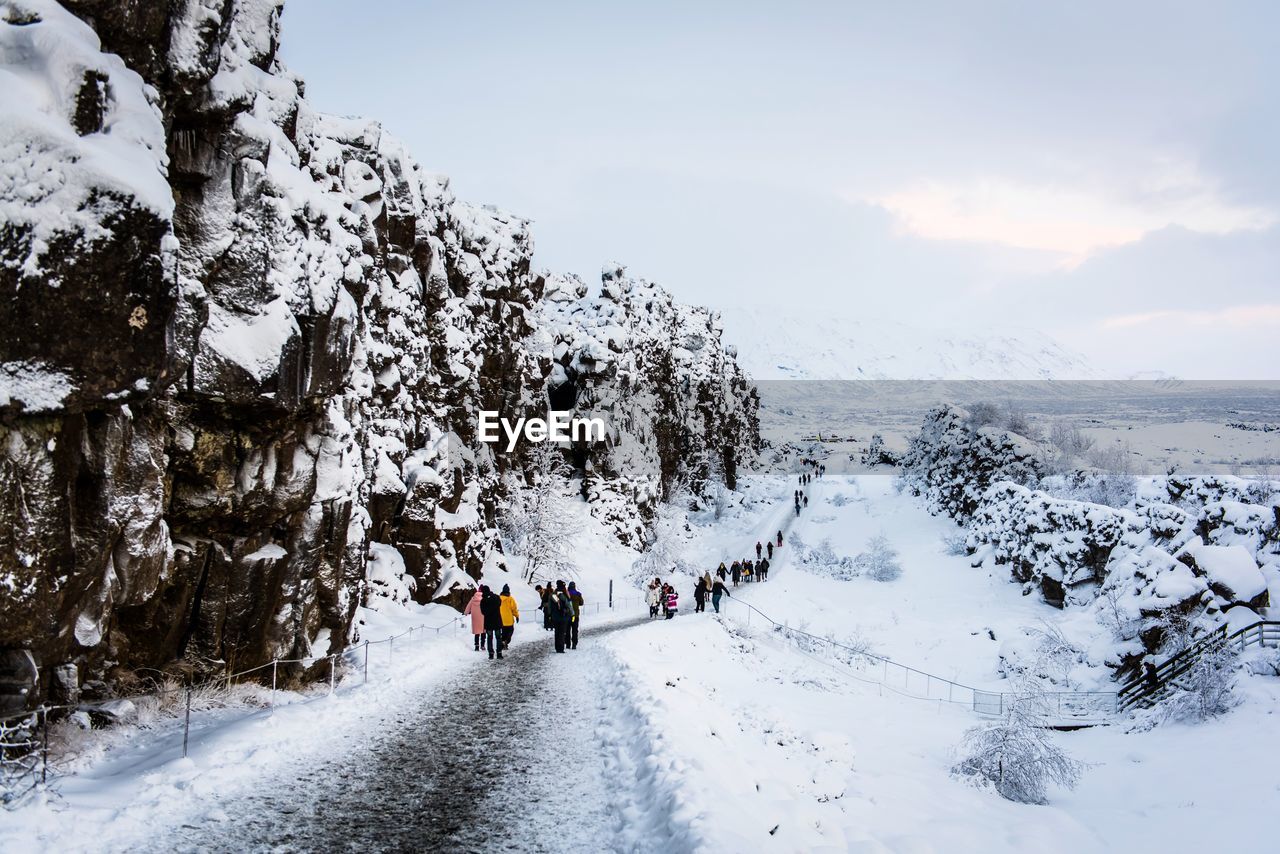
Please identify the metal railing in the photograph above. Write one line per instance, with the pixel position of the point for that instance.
(1142, 690)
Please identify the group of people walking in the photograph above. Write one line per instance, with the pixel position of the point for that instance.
(746, 570)
(494, 615)
(661, 596)
(561, 612)
(493, 619)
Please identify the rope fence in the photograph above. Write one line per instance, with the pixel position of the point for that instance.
(1076, 707)
(24, 738)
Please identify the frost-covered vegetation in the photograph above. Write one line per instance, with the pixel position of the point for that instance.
(1192, 547)
(1017, 756)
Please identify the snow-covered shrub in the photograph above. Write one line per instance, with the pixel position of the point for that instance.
(955, 543)
(1206, 690)
(881, 559)
(876, 454)
(840, 499)
(822, 560)
(1017, 756)
(1041, 652)
(1069, 439)
(665, 551)
(982, 413)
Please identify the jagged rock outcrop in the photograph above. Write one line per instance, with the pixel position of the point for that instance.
(244, 340)
(1139, 570)
(952, 461)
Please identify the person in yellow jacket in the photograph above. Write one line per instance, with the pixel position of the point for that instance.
(510, 615)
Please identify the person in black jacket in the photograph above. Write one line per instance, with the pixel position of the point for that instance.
(700, 596)
(561, 614)
(491, 607)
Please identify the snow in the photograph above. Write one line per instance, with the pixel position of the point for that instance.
(253, 342)
(38, 387)
(49, 174)
(778, 343)
(1231, 567)
(708, 733)
(270, 551)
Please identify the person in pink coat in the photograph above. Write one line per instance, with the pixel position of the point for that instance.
(477, 618)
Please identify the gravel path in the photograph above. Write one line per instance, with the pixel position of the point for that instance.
(506, 756)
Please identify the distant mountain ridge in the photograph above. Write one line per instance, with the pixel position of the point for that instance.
(775, 345)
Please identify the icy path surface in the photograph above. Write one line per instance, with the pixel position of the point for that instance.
(459, 771)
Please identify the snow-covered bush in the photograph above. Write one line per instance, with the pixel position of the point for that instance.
(665, 551)
(1043, 653)
(1017, 756)
(955, 543)
(876, 454)
(823, 560)
(880, 560)
(1205, 690)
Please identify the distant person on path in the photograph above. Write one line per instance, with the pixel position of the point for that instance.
(779, 539)
(576, 602)
(759, 549)
(763, 568)
(477, 617)
(747, 573)
(716, 592)
(510, 615)
(653, 597)
(806, 501)
(707, 580)
(491, 605)
(769, 546)
(662, 596)
(736, 572)
(700, 596)
(1151, 677)
(673, 602)
(721, 572)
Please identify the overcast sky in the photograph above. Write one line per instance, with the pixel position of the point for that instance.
(1108, 173)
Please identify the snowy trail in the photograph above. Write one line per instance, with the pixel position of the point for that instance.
(457, 772)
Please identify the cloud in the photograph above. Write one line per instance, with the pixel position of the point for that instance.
(1073, 222)
(1235, 317)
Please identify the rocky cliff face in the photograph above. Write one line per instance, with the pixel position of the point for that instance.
(244, 340)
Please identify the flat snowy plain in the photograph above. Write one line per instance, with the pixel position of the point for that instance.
(702, 733)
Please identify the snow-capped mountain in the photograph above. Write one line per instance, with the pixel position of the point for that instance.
(775, 345)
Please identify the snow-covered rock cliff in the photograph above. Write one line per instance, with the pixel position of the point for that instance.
(243, 341)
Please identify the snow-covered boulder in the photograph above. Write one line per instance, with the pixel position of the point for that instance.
(1232, 573)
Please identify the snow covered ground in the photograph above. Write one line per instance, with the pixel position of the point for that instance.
(702, 733)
